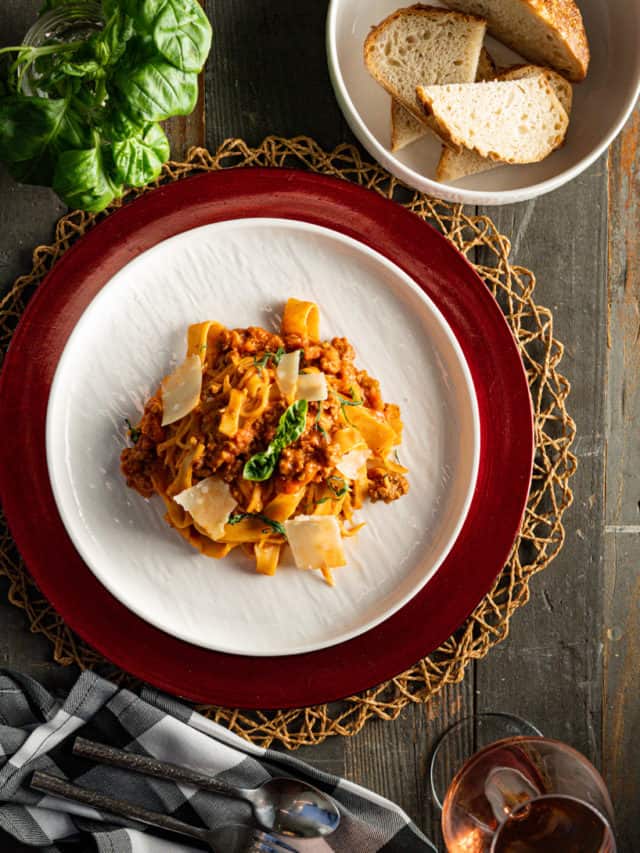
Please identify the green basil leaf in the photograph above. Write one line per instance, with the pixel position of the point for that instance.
(157, 90)
(39, 128)
(117, 126)
(139, 159)
(291, 425)
(83, 68)
(81, 180)
(111, 42)
(28, 126)
(182, 33)
(261, 466)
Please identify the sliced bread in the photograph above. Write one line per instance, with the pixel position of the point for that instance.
(548, 32)
(513, 121)
(423, 44)
(405, 128)
(454, 165)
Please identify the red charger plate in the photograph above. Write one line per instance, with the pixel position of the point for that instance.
(494, 517)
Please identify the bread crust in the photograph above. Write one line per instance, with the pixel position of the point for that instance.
(457, 144)
(562, 16)
(377, 30)
(565, 17)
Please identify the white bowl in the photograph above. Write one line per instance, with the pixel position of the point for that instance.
(602, 103)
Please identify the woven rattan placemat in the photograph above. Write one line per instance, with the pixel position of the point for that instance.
(542, 533)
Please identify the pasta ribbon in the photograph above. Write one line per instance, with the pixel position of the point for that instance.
(378, 435)
(230, 420)
(200, 336)
(267, 555)
(301, 318)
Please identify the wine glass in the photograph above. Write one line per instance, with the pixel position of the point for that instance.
(523, 793)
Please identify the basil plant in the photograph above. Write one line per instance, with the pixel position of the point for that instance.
(93, 127)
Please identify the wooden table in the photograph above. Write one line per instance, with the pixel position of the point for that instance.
(572, 659)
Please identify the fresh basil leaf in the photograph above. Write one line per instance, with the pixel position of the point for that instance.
(276, 526)
(182, 33)
(118, 126)
(83, 68)
(39, 128)
(28, 126)
(291, 425)
(81, 180)
(139, 159)
(261, 466)
(157, 90)
(111, 42)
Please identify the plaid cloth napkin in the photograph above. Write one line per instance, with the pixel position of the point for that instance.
(36, 732)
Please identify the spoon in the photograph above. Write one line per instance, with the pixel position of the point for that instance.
(234, 838)
(282, 805)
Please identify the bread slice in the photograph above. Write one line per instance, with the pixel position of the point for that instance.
(423, 44)
(454, 165)
(513, 121)
(405, 128)
(547, 32)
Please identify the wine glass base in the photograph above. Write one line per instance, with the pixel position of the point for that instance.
(464, 739)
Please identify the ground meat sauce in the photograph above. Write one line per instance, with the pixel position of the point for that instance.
(310, 459)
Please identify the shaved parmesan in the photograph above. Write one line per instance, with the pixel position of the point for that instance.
(287, 373)
(181, 390)
(209, 505)
(315, 541)
(351, 463)
(312, 387)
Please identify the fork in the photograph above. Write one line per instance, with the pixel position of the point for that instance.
(230, 839)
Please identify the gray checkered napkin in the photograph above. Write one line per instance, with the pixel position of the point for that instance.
(36, 733)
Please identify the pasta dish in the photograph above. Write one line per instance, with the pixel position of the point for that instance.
(259, 441)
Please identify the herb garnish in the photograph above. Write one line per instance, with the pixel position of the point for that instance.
(340, 488)
(318, 425)
(237, 517)
(276, 356)
(290, 427)
(92, 128)
(344, 403)
(134, 432)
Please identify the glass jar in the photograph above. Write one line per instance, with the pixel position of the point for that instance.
(72, 23)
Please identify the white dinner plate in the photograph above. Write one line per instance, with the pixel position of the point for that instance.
(240, 273)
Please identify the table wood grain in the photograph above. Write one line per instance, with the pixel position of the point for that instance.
(572, 659)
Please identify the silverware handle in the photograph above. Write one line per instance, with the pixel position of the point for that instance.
(54, 785)
(103, 754)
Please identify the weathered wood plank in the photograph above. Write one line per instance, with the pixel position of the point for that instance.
(621, 762)
(622, 601)
(185, 131)
(549, 670)
(623, 441)
(393, 758)
(268, 74)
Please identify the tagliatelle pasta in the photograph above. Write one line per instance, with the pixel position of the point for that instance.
(285, 441)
